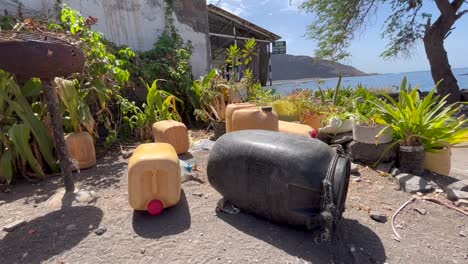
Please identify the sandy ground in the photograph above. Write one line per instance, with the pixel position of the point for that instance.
(192, 232)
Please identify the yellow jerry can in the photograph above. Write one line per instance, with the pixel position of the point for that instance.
(296, 129)
(230, 108)
(255, 118)
(154, 178)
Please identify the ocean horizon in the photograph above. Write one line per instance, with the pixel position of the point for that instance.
(388, 80)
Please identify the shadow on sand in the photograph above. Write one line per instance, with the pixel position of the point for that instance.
(172, 221)
(352, 242)
(47, 236)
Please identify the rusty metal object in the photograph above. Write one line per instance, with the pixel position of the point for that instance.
(28, 55)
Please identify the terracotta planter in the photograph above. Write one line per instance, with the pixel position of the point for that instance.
(367, 134)
(439, 162)
(219, 129)
(312, 119)
(80, 148)
(411, 159)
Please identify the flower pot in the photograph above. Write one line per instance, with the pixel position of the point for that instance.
(80, 149)
(219, 129)
(439, 162)
(367, 134)
(312, 119)
(411, 159)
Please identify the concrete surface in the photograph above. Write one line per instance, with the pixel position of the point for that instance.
(460, 163)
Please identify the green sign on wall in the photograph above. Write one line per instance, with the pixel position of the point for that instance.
(279, 47)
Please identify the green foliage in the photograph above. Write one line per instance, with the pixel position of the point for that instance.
(78, 110)
(105, 72)
(429, 121)
(212, 91)
(169, 60)
(364, 110)
(7, 22)
(18, 121)
(337, 22)
(160, 105)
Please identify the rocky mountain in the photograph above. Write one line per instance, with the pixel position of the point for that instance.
(290, 67)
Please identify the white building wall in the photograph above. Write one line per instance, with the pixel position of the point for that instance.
(135, 23)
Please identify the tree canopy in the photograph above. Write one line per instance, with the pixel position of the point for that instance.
(338, 21)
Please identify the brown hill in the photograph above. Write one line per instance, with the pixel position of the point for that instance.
(290, 67)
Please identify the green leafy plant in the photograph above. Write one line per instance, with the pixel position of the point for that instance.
(77, 109)
(430, 121)
(233, 53)
(212, 91)
(24, 139)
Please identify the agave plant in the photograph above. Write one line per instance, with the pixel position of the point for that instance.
(415, 121)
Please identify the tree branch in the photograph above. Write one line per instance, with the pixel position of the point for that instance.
(456, 4)
(445, 7)
(460, 14)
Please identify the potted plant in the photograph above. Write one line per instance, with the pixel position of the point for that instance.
(419, 125)
(211, 91)
(79, 143)
(365, 126)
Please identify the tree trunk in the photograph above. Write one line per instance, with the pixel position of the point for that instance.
(440, 67)
(65, 164)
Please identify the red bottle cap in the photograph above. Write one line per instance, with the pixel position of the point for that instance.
(155, 207)
(314, 133)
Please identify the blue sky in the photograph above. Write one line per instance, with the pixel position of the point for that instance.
(284, 19)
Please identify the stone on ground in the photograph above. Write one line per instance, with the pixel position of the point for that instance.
(12, 226)
(79, 197)
(370, 153)
(354, 168)
(378, 216)
(457, 190)
(413, 184)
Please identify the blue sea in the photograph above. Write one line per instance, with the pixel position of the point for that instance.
(421, 78)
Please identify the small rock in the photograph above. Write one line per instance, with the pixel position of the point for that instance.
(462, 202)
(352, 249)
(395, 171)
(357, 179)
(400, 226)
(457, 190)
(100, 231)
(419, 193)
(70, 227)
(143, 250)
(354, 168)
(378, 216)
(14, 225)
(412, 183)
(198, 194)
(2, 202)
(127, 154)
(438, 191)
(421, 211)
(462, 234)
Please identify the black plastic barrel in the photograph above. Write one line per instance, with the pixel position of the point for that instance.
(285, 178)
